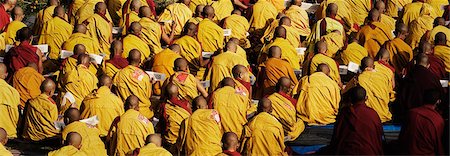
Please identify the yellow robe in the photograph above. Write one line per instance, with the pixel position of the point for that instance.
(177, 12)
(91, 142)
(239, 27)
(344, 11)
(264, 136)
(195, 20)
(413, 10)
(42, 17)
(439, 29)
(275, 69)
(163, 62)
(87, 10)
(373, 39)
(279, 5)
(54, 33)
(387, 72)
(67, 150)
(27, 81)
(315, 36)
(319, 98)
(321, 58)
(126, 21)
(335, 42)
(354, 53)
(418, 28)
(392, 7)
(131, 42)
(437, 5)
(105, 105)
(92, 46)
(110, 70)
(4, 151)
(115, 9)
(221, 67)
(71, 64)
(151, 34)
(443, 53)
(194, 3)
(100, 30)
(40, 116)
(175, 116)
(232, 108)
(125, 6)
(201, 133)
(13, 27)
(300, 19)
(284, 110)
(191, 50)
(74, 6)
(152, 150)
(222, 8)
(360, 10)
(187, 88)
(241, 52)
(9, 108)
(134, 81)
(388, 21)
(263, 13)
(210, 36)
(132, 130)
(80, 82)
(288, 51)
(400, 53)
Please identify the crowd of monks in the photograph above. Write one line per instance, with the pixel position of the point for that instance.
(241, 77)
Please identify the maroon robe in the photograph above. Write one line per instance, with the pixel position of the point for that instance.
(421, 134)
(118, 62)
(4, 18)
(19, 56)
(229, 153)
(437, 67)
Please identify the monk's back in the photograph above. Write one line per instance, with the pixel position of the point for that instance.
(266, 136)
(204, 134)
(39, 119)
(27, 81)
(131, 131)
(9, 111)
(91, 141)
(378, 90)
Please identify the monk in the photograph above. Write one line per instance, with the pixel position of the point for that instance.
(223, 8)
(152, 32)
(399, 51)
(80, 81)
(231, 106)
(100, 28)
(79, 36)
(91, 136)
(73, 144)
(6, 6)
(116, 61)
(319, 97)
(178, 13)
(262, 14)
(188, 85)
(439, 26)
(354, 52)
(195, 3)
(437, 66)
(373, 34)
(382, 65)
(15, 25)
(442, 50)
(209, 34)
(200, 134)
(385, 19)
(319, 58)
(299, 17)
(10, 105)
(87, 10)
(284, 109)
(71, 62)
(153, 147)
(191, 50)
(412, 11)
(263, 134)
(222, 65)
(163, 62)
(197, 17)
(292, 35)
(41, 114)
(55, 32)
(131, 16)
(132, 80)
(131, 128)
(27, 81)
(358, 129)
(274, 69)
(230, 144)
(239, 27)
(393, 7)
(341, 12)
(20, 55)
(288, 51)
(423, 120)
(240, 51)
(360, 10)
(134, 41)
(377, 87)
(45, 15)
(241, 78)
(3, 141)
(419, 26)
(102, 103)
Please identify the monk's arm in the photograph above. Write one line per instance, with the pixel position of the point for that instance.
(41, 59)
(240, 4)
(168, 38)
(201, 89)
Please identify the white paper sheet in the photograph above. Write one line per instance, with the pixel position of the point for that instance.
(42, 47)
(300, 51)
(59, 125)
(156, 76)
(116, 30)
(97, 59)
(226, 32)
(298, 73)
(207, 54)
(206, 83)
(444, 83)
(8, 47)
(166, 21)
(69, 96)
(91, 121)
(353, 67)
(65, 54)
(310, 7)
(252, 79)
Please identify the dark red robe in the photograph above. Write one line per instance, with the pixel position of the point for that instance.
(4, 17)
(118, 62)
(19, 56)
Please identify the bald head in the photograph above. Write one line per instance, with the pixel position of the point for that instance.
(285, 21)
(230, 141)
(116, 48)
(71, 115)
(440, 39)
(53, 2)
(332, 10)
(24, 34)
(9, 4)
(401, 31)
(135, 28)
(100, 8)
(274, 52)
(145, 11)
(320, 47)
(382, 55)
(228, 81)
(374, 15)
(231, 46)
(3, 136)
(380, 6)
(48, 87)
(172, 90)
(283, 85)
(280, 32)
(264, 105)
(135, 5)
(181, 64)
(134, 57)
(199, 103)
(84, 59)
(155, 139)
(239, 71)
(296, 2)
(80, 28)
(426, 48)
(79, 49)
(74, 139)
(439, 21)
(3, 71)
(175, 48)
(59, 11)
(132, 102)
(17, 14)
(366, 63)
(33, 65)
(199, 10)
(422, 59)
(105, 81)
(324, 68)
(208, 12)
(190, 29)
(236, 12)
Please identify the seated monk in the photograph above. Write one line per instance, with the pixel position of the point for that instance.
(79, 82)
(174, 110)
(73, 144)
(131, 16)
(382, 65)
(373, 34)
(189, 86)
(70, 63)
(358, 129)
(134, 41)
(223, 9)
(20, 55)
(102, 103)
(263, 134)
(3, 141)
(197, 17)
(292, 35)
(55, 32)
(284, 109)
(231, 106)
(239, 27)
(100, 29)
(437, 66)
(240, 51)
(319, 97)
(340, 11)
(128, 6)
(178, 13)
(399, 51)
(163, 63)
(91, 136)
(360, 10)
(79, 36)
(385, 19)
(41, 114)
(9, 108)
(393, 7)
(131, 128)
(419, 26)
(15, 25)
(116, 61)
(442, 50)
(288, 51)
(377, 87)
(209, 34)
(262, 14)
(319, 58)
(88, 10)
(45, 15)
(241, 78)
(153, 32)
(354, 52)
(424, 120)
(153, 147)
(201, 132)
(274, 69)
(191, 50)
(299, 17)
(411, 11)
(27, 81)
(439, 26)
(132, 80)
(230, 144)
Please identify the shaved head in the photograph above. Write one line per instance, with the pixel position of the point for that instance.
(374, 15)
(59, 11)
(440, 39)
(116, 48)
(9, 4)
(422, 59)
(332, 10)
(80, 28)
(190, 29)
(439, 21)
(236, 12)
(172, 90)
(264, 105)
(3, 136)
(283, 85)
(320, 47)
(105, 81)
(383, 55)
(181, 64)
(71, 115)
(145, 11)
(132, 102)
(74, 139)
(100, 8)
(208, 12)
(199, 103)
(231, 46)
(199, 10)
(230, 141)
(135, 5)
(84, 59)
(175, 48)
(401, 31)
(135, 28)
(380, 6)
(53, 2)
(324, 68)
(3, 71)
(228, 81)
(33, 65)
(17, 13)
(280, 32)
(274, 52)
(426, 48)
(296, 2)
(134, 57)
(366, 62)
(238, 70)
(155, 139)
(357, 94)
(285, 21)
(48, 87)
(79, 49)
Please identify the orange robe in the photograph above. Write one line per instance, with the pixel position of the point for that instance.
(177, 12)
(299, 18)
(27, 81)
(100, 29)
(321, 58)
(131, 42)
(284, 110)
(418, 28)
(80, 82)
(210, 36)
(187, 85)
(163, 63)
(262, 14)
(92, 46)
(353, 53)
(40, 116)
(91, 142)
(191, 50)
(372, 36)
(9, 108)
(400, 53)
(275, 69)
(221, 67)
